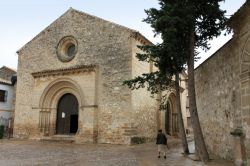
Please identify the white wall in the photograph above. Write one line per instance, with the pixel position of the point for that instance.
(6, 107)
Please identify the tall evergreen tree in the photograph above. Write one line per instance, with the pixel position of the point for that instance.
(184, 26)
(166, 22)
(206, 20)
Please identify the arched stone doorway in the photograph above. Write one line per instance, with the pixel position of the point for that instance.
(67, 114)
(171, 124)
(61, 96)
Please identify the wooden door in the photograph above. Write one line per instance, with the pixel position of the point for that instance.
(67, 115)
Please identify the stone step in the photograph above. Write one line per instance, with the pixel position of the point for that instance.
(59, 139)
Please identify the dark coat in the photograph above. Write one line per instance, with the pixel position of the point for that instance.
(161, 139)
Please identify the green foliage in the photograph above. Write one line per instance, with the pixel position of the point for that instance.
(154, 82)
(164, 56)
(178, 18)
(176, 21)
(184, 26)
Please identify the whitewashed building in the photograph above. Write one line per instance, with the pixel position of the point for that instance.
(7, 95)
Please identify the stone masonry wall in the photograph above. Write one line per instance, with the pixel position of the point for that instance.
(218, 98)
(143, 105)
(183, 95)
(223, 98)
(100, 43)
(241, 26)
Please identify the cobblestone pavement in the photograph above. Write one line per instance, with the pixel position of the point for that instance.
(34, 153)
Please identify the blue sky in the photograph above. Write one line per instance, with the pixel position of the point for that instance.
(21, 20)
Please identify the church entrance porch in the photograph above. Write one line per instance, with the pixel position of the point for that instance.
(170, 117)
(67, 115)
(61, 111)
(66, 105)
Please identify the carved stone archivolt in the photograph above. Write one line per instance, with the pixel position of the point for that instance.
(58, 88)
(49, 100)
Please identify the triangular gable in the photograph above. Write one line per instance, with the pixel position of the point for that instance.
(135, 34)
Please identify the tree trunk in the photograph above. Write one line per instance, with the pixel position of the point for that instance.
(181, 124)
(200, 146)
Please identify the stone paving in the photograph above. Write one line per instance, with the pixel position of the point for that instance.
(34, 153)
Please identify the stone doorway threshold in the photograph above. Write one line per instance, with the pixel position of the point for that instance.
(59, 138)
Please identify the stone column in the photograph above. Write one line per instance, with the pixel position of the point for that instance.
(53, 113)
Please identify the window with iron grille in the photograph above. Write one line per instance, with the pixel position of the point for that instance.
(3, 95)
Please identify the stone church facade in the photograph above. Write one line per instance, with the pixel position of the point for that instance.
(70, 82)
(223, 93)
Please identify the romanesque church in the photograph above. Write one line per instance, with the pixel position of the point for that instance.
(70, 84)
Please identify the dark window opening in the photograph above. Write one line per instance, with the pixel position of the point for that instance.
(3, 96)
(71, 50)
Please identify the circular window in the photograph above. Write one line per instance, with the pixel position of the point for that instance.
(71, 50)
(67, 48)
